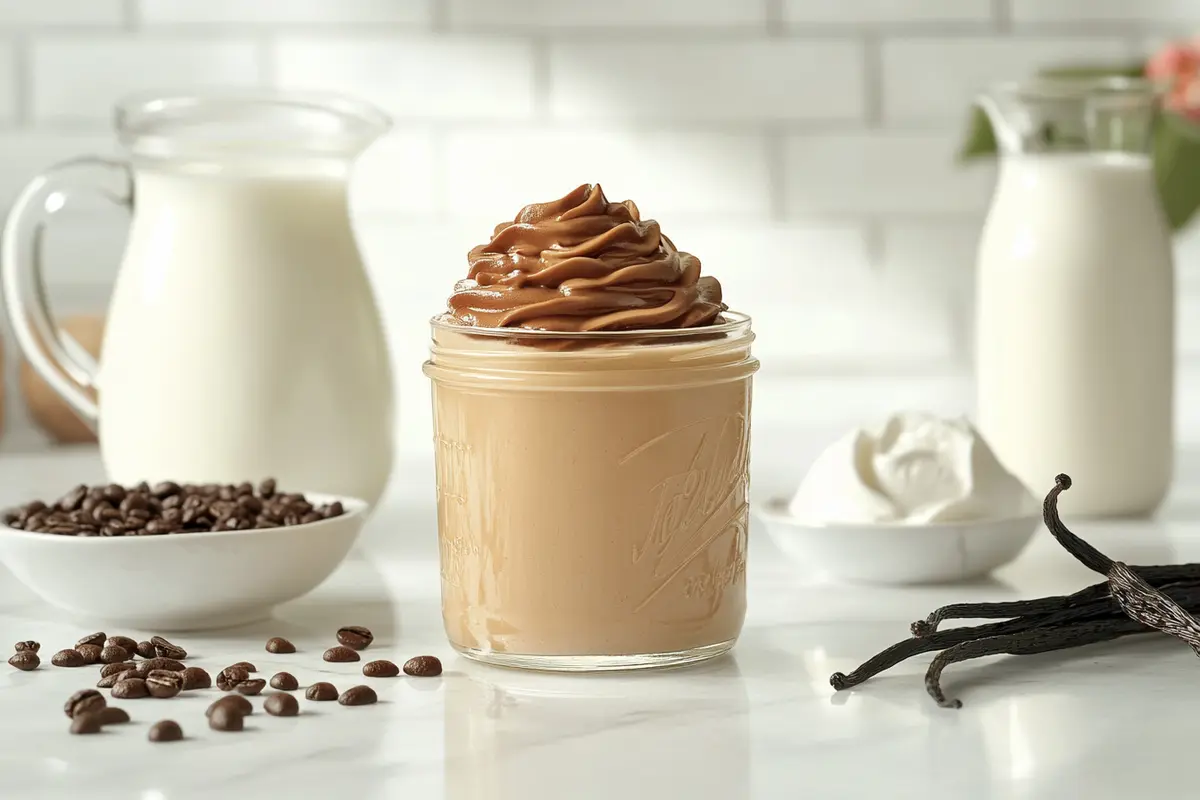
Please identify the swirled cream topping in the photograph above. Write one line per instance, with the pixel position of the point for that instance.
(581, 263)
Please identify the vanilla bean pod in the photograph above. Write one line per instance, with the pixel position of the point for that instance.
(1042, 640)
(1187, 594)
(1138, 599)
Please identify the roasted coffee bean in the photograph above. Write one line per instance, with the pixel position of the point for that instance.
(146, 650)
(130, 689)
(322, 691)
(355, 636)
(423, 667)
(112, 716)
(166, 730)
(115, 668)
(122, 641)
(380, 669)
(28, 646)
(72, 499)
(114, 654)
(253, 686)
(358, 696)
(83, 702)
(144, 668)
(68, 658)
(278, 644)
(282, 705)
(95, 638)
(340, 655)
(195, 678)
(284, 681)
(165, 649)
(86, 723)
(25, 661)
(225, 718)
(230, 677)
(162, 684)
(90, 652)
(108, 681)
(235, 701)
(246, 665)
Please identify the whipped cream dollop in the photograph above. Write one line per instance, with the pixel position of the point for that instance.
(916, 469)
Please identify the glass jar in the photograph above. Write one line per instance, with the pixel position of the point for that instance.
(592, 493)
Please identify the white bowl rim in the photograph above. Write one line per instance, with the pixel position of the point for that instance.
(775, 510)
(353, 507)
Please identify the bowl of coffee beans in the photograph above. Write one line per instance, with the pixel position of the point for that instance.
(173, 556)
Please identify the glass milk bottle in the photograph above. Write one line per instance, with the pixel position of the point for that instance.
(1075, 295)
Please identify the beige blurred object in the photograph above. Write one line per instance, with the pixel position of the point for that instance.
(48, 410)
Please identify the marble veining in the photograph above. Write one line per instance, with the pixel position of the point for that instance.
(764, 723)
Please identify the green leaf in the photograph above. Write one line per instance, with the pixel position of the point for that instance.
(1176, 153)
(980, 140)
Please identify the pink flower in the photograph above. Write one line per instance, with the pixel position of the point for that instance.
(1178, 64)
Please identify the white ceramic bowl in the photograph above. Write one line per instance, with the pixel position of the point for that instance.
(898, 554)
(181, 582)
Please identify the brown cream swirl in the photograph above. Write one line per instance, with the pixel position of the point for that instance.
(581, 263)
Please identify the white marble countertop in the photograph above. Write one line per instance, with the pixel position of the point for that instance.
(1096, 722)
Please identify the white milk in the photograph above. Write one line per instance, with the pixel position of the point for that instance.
(243, 339)
(1075, 329)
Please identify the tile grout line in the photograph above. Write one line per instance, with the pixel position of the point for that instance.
(131, 15)
(1002, 16)
(543, 81)
(23, 83)
(873, 100)
(776, 149)
(776, 25)
(264, 52)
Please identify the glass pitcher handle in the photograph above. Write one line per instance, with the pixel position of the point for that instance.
(60, 360)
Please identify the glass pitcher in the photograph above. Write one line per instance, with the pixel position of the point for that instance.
(242, 338)
(1075, 295)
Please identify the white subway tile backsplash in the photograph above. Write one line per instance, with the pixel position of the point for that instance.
(1117, 11)
(61, 12)
(937, 78)
(77, 79)
(397, 175)
(8, 84)
(881, 173)
(613, 14)
(743, 81)
(494, 172)
(897, 12)
(416, 77)
(260, 12)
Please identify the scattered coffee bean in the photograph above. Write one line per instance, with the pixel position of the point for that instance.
(225, 718)
(355, 636)
(68, 658)
(108, 681)
(195, 678)
(166, 730)
(284, 681)
(380, 669)
(278, 644)
(83, 702)
(340, 655)
(95, 638)
(322, 692)
(144, 668)
(116, 668)
(25, 661)
(165, 649)
(122, 641)
(251, 687)
(113, 654)
(282, 705)
(162, 684)
(230, 677)
(130, 689)
(86, 723)
(28, 646)
(234, 701)
(358, 696)
(146, 650)
(112, 715)
(423, 667)
(246, 665)
(168, 508)
(90, 652)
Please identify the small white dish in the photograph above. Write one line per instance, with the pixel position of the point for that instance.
(182, 582)
(892, 553)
